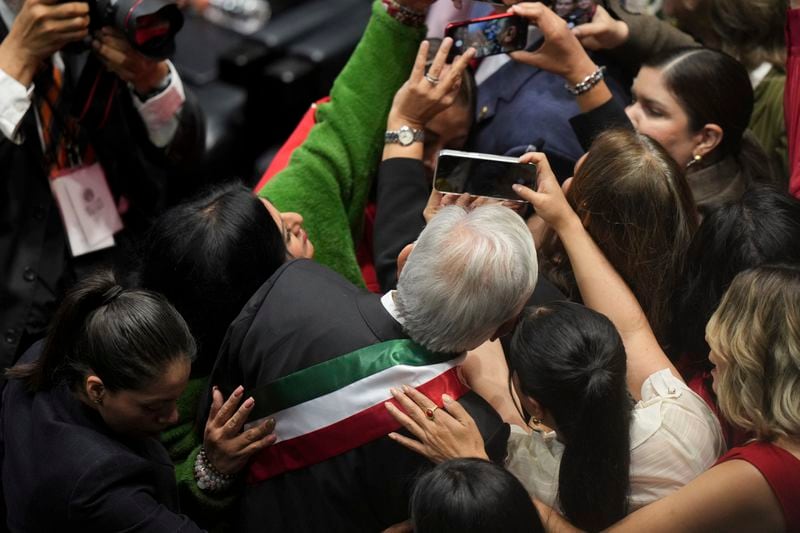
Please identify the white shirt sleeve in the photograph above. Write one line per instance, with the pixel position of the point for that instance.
(160, 113)
(15, 100)
(674, 438)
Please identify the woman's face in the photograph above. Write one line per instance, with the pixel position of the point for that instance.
(564, 7)
(290, 225)
(151, 410)
(719, 367)
(656, 113)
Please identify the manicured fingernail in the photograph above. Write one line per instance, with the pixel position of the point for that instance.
(270, 423)
(517, 187)
(406, 388)
(388, 405)
(249, 402)
(446, 398)
(239, 391)
(394, 391)
(393, 436)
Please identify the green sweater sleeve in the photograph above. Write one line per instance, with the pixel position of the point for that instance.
(329, 176)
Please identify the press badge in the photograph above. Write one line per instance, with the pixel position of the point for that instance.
(87, 208)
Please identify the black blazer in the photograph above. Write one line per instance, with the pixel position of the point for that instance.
(303, 315)
(35, 265)
(64, 470)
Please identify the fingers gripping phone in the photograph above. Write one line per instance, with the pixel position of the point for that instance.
(482, 174)
(495, 34)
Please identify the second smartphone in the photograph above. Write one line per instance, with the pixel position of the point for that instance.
(495, 34)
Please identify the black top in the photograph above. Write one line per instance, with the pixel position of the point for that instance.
(303, 315)
(64, 470)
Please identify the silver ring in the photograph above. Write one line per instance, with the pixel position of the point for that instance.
(432, 79)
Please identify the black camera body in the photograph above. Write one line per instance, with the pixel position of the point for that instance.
(149, 25)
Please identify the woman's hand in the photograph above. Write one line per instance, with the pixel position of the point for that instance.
(227, 447)
(561, 53)
(604, 32)
(449, 433)
(548, 200)
(420, 99)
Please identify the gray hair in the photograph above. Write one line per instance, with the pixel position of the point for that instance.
(468, 274)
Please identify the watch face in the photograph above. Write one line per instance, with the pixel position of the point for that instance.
(405, 136)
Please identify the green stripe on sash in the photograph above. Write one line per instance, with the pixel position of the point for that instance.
(334, 374)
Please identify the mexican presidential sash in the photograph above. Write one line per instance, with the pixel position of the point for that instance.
(338, 405)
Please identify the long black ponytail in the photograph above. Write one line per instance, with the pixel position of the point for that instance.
(571, 360)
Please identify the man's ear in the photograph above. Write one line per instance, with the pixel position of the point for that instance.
(707, 139)
(504, 329)
(402, 257)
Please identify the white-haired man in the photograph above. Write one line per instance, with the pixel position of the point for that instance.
(320, 355)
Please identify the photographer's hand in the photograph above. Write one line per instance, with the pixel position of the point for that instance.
(119, 57)
(41, 28)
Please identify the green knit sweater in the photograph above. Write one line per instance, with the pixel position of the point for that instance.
(327, 180)
(329, 176)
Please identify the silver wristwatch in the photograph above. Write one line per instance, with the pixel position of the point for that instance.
(405, 136)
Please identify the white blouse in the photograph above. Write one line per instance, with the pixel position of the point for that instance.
(674, 438)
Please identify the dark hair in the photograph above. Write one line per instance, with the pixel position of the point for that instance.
(571, 360)
(762, 227)
(714, 88)
(750, 30)
(126, 337)
(208, 256)
(636, 204)
(471, 496)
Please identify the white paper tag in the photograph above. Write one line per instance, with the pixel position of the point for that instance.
(87, 208)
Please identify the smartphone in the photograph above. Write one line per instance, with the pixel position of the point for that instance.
(574, 11)
(495, 34)
(482, 174)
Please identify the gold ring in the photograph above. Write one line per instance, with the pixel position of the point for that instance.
(430, 410)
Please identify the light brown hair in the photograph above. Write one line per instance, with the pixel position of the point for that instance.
(635, 203)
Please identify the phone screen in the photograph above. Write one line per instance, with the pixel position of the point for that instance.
(466, 173)
(489, 37)
(575, 11)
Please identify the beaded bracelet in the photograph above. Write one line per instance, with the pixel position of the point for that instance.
(208, 478)
(404, 15)
(588, 82)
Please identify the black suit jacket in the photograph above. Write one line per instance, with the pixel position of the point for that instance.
(64, 470)
(35, 263)
(303, 315)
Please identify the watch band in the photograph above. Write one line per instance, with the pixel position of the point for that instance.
(405, 136)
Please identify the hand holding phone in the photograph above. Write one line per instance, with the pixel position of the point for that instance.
(561, 53)
(481, 175)
(495, 34)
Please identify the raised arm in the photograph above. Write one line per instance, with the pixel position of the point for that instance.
(403, 189)
(329, 176)
(601, 287)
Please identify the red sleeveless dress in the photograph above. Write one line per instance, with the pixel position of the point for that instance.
(781, 470)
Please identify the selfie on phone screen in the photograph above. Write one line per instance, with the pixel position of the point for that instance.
(497, 34)
(575, 11)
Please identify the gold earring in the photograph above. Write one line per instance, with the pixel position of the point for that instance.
(696, 158)
(98, 400)
(536, 421)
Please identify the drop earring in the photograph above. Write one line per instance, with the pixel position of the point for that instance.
(696, 158)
